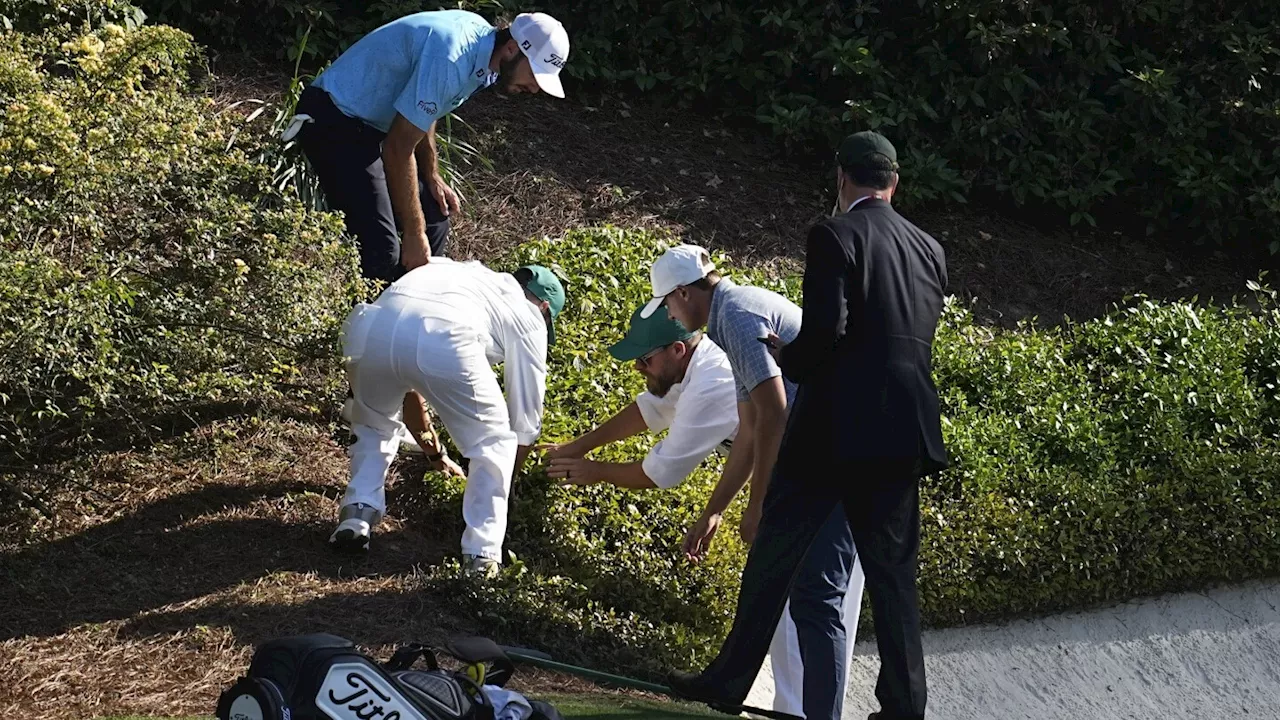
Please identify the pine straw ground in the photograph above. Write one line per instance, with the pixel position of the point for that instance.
(149, 599)
(146, 596)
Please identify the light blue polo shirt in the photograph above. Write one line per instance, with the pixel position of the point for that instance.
(422, 65)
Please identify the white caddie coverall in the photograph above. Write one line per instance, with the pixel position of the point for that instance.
(438, 330)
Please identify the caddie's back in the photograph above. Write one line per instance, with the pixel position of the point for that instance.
(469, 294)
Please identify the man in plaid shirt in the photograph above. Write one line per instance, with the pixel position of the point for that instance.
(826, 599)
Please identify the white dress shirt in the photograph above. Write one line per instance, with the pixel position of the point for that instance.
(700, 414)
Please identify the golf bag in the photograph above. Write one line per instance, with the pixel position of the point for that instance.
(324, 677)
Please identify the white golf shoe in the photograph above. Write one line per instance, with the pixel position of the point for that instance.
(480, 565)
(355, 527)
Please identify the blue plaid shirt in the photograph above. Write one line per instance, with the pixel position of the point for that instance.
(741, 314)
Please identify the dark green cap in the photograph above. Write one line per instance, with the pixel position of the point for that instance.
(858, 148)
(647, 334)
(544, 285)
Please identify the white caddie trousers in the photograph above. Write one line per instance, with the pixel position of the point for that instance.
(396, 345)
(784, 651)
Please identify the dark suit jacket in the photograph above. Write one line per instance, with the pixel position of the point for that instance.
(873, 286)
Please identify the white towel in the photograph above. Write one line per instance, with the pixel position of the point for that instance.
(507, 704)
(294, 126)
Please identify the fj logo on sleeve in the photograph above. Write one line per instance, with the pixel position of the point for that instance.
(427, 107)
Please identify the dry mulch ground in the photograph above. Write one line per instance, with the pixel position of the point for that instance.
(150, 600)
(148, 597)
(560, 165)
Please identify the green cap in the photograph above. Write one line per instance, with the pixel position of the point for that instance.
(647, 334)
(544, 285)
(858, 148)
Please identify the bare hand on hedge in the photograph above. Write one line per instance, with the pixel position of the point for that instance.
(697, 541)
(560, 450)
(574, 471)
(447, 466)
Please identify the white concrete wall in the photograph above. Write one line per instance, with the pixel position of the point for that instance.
(1198, 656)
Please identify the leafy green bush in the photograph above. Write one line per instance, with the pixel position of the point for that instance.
(1164, 115)
(147, 266)
(1135, 454)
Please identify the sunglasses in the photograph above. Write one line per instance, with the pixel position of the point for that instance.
(643, 360)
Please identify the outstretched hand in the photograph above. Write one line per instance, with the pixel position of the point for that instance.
(697, 540)
(447, 466)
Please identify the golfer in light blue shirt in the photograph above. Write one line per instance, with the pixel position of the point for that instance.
(367, 124)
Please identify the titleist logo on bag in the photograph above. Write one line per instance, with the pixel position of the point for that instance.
(349, 690)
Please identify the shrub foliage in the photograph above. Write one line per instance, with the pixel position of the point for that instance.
(1095, 462)
(147, 266)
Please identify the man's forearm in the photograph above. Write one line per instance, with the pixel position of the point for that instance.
(626, 475)
(737, 470)
(414, 413)
(402, 184)
(626, 423)
(427, 157)
(768, 438)
(522, 453)
(400, 163)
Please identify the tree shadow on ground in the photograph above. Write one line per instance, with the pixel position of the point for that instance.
(179, 549)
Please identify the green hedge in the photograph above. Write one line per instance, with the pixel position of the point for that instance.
(1161, 115)
(1130, 455)
(147, 264)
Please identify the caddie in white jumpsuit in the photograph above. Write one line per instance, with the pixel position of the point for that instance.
(438, 330)
(690, 393)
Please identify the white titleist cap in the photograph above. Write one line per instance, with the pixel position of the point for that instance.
(679, 265)
(544, 41)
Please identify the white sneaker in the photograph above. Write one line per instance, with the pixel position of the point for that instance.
(355, 527)
(480, 565)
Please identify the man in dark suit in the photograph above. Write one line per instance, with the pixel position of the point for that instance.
(864, 429)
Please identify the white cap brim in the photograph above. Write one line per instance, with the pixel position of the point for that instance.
(548, 81)
(651, 307)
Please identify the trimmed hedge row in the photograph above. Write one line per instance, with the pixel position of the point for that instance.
(1130, 455)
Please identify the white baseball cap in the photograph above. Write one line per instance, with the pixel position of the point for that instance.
(679, 265)
(546, 43)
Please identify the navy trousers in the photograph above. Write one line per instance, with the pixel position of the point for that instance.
(880, 503)
(346, 154)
